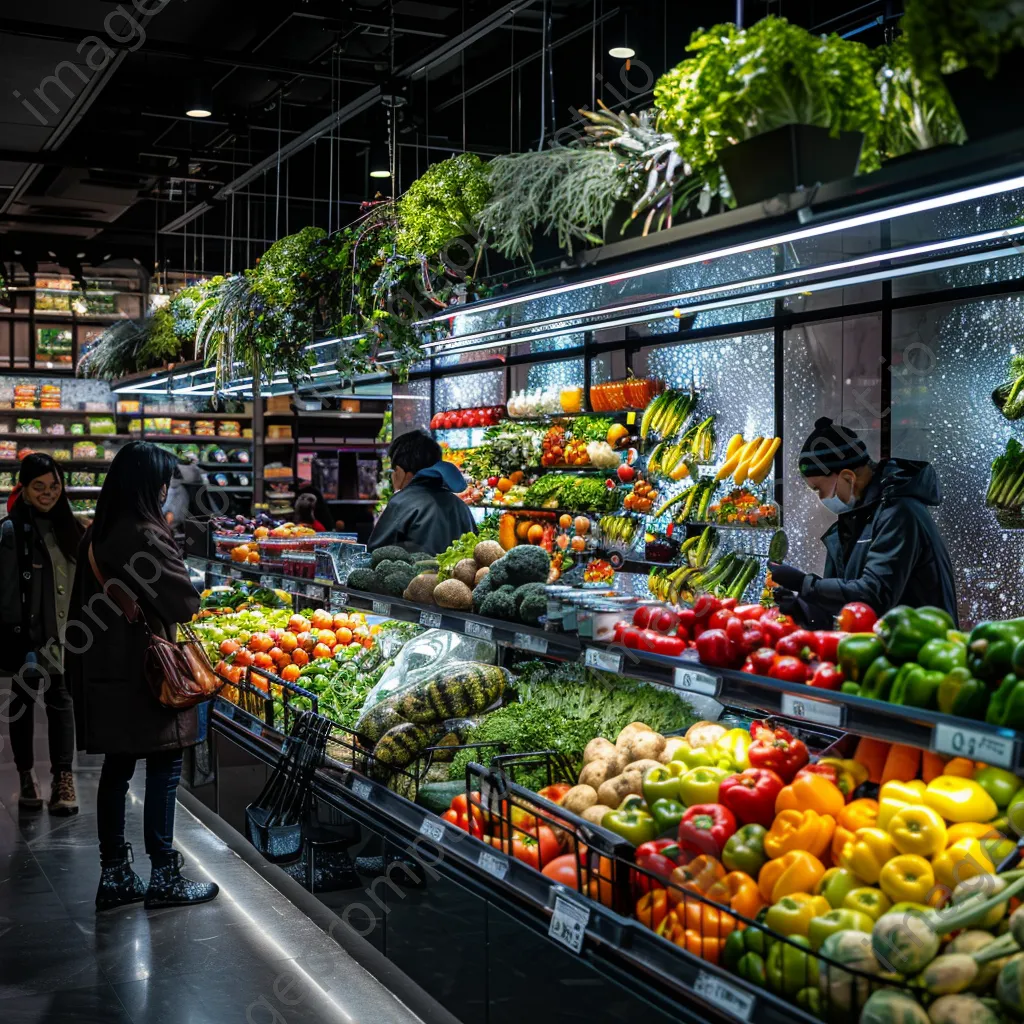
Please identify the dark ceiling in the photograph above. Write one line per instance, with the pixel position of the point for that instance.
(99, 162)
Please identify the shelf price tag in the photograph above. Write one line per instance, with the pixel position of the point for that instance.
(818, 711)
(973, 744)
(605, 661)
(481, 630)
(432, 620)
(432, 829)
(270, 582)
(493, 864)
(314, 592)
(362, 788)
(694, 681)
(529, 642)
(724, 995)
(339, 600)
(569, 923)
(382, 608)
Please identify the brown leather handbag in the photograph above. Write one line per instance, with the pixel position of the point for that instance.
(179, 674)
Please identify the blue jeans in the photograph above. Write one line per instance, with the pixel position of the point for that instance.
(163, 770)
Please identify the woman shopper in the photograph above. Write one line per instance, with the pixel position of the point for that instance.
(38, 547)
(146, 588)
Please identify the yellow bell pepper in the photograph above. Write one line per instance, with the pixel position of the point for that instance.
(964, 859)
(793, 913)
(799, 830)
(858, 771)
(733, 746)
(867, 853)
(862, 813)
(813, 792)
(840, 838)
(918, 830)
(894, 796)
(796, 871)
(959, 800)
(996, 846)
(907, 877)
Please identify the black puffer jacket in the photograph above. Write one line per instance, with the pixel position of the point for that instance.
(886, 551)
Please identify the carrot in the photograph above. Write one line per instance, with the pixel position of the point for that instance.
(872, 754)
(932, 766)
(903, 763)
(959, 766)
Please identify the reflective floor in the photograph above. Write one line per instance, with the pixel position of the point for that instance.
(249, 956)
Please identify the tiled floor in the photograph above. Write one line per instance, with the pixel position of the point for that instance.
(249, 956)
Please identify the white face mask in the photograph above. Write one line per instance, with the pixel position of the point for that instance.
(836, 505)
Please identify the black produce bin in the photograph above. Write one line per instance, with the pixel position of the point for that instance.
(988, 106)
(788, 158)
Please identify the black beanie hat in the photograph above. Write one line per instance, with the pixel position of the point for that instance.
(831, 448)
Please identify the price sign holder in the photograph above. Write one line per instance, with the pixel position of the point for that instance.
(361, 788)
(569, 923)
(604, 661)
(694, 681)
(494, 864)
(339, 600)
(432, 620)
(314, 593)
(818, 711)
(974, 744)
(269, 582)
(382, 608)
(481, 630)
(529, 642)
(433, 829)
(724, 995)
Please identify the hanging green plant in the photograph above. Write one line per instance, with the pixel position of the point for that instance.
(116, 352)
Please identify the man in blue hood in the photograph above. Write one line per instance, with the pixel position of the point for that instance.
(425, 512)
(884, 549)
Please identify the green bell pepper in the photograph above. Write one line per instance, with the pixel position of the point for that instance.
(790, 968)
(744, 850)
(747, 940)
(991, 646)
(956, 637)
(855, 654)
(809, 999)
(1000, 784)
(700, 785)
(1015, 813)
(878, 679)
(667, 814)
(904, 630)
(842, 920)
(915, 686)
(660, 784)
(1006, 705)
(751, 967)
(733, 950)
(962, 695)
(692, 757)
(942, 656)
(909, 907)
(835, 884)
(851, 688)
(635, 826)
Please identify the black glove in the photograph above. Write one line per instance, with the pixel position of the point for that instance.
(787, 576)
(788, 603)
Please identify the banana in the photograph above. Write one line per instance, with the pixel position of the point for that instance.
(735, 444)
(746, 455)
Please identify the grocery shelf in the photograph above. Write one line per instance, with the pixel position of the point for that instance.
(196, 438)
(73, 413)
(337, 414)
(232, 489)
(57, 438)
(227, 467)
(152, 414)
(270, 442)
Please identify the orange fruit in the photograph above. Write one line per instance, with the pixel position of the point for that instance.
(565, 521)
(523, 528)
(266, 641)
(277, 655)
(298, 624)
(243, 657)
(535, 534)
(367, 642)
(322, 619)
(263, 660)
(222, 668)
(344, 635)
(260, 682)
(306, 640)
(300, 657)
(504, 485)
(341, 621)
(235, 674)
(326, 637)
(321, 651)
(290, 673)
(288, 642)
(228, 647)
(516, 477)
(578, 544)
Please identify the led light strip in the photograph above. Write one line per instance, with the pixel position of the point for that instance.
(873, 217)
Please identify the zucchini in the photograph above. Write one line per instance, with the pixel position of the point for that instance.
(401, 745)
(375, 722)
(456, 732)
(462, 689)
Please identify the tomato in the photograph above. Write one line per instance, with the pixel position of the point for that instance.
(555, 791)
(462, 806)
(437, 421)
(564, 871)
(461, 821)
(536, 849)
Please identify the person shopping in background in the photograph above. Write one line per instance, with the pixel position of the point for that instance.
(425, 512)
(133, 550)
(38, 547)
(322, 511)
(884, 549)
(305, 513)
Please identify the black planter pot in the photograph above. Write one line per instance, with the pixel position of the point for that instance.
(988, 106)
(788, 158)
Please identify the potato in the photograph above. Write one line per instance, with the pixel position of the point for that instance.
(644, 746)
(704, 734)
(597, 772)
(623, 738)
(599, 749)
(614, 791)
(642, 765)
(595, 814)
(672, 744)
(579, 798)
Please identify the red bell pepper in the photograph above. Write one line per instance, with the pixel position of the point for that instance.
(856, 617)
(659, 857)
(705, 606)
(705, 828)
(463, 821)
(749, 612)
(664, 621)
(762, 660)
(801, 643)
(827, 677)
(778, 749)
(729, 603)
(788, 669)
(642, 616)
(751, 794)
(720, 619)
(687, 619)
(714, 648)
(828, 644)
(672, 646)
(776, 627)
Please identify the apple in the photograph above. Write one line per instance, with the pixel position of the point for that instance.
(626, 473)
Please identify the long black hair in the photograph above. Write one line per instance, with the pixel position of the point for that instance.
(132, 490)
(66, 528)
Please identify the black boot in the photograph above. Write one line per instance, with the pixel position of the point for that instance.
(119, 885)
(168, 887)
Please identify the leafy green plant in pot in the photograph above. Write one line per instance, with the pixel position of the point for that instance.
(966, 44)
(773, 106)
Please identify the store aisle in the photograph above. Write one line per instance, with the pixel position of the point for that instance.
(249, 956)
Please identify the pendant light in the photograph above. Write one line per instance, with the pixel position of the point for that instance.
(199, 104)
(623, 51)
(380, 158)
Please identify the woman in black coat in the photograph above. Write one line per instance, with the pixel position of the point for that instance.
(133, 551)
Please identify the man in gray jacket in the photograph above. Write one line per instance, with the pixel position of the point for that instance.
(425, 512)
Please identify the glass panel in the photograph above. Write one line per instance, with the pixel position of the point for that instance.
(411, 407)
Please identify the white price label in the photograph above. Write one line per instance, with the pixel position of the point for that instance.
(381, 608)
(270, 582)
(818, 711)
(569, 923)
(696, 682)
(970, 743)
(339, 599)
(529, 642)
(493, 864)
(481, 630)
(432, 829)
(724, 995)
(314, 592)
(606, 661)
(432, 620)
(362, 788)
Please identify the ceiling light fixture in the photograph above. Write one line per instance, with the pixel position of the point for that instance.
(199, 104)
(380, 156)
(622, 52)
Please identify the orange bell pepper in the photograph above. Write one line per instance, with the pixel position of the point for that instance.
(702, 929)
(960, 766)
(739, 892)
(811, 792)
(840, 838)
(799, 830)
(795, 871)
(652, 908)
(698, 876)
(857, 814)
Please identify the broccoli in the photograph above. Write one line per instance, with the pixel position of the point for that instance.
(396, 578)
(390, 551)
(498, 574)
(386, 565)
(526, 563)
(362, 579)
(531, 602)
(500, 604)
(422, 556)
(482, 590)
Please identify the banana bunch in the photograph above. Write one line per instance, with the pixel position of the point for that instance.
(676, 459)
(748, 460)
(668, 413)
(618, 529)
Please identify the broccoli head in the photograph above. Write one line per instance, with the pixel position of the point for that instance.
(525, 563)
(497, 574)
(390, 551)
(396, 578)
(362, 579)
(531, 602)
(500, 604)
(386, 564)
(482, 590)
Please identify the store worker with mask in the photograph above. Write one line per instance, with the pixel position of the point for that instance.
(884, 549)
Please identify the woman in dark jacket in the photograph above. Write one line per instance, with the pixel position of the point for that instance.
(133, 551)
(38, 547)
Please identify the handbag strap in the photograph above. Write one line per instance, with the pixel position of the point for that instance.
(131, 609)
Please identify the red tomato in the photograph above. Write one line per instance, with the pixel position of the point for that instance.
(460, 805)
(563, 870)
(536, 849)
(461, 821)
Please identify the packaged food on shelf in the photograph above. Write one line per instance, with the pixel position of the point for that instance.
(29, 426)
(84, 450)
(204, 428)
(9, 450)
(106, 425)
